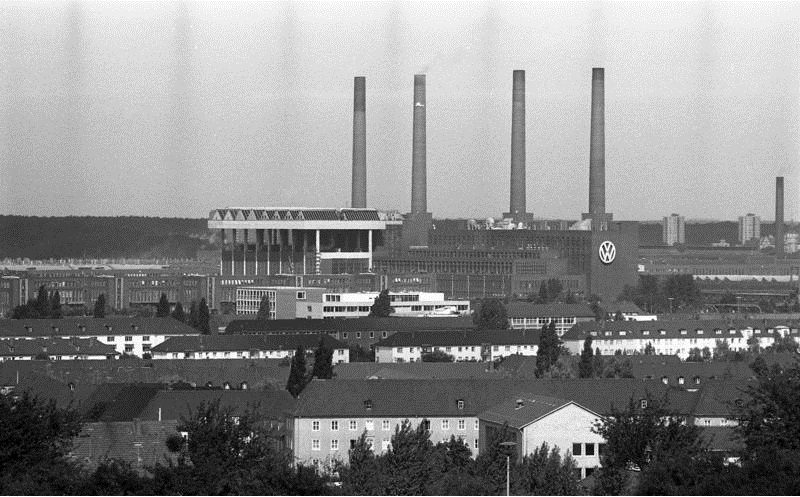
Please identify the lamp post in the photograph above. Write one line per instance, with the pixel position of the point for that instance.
(508, 464)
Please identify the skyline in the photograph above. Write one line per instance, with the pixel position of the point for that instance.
(173, 109)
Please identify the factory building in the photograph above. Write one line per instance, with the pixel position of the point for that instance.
(594, 256)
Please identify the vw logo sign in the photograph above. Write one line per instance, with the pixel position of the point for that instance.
(607, 252)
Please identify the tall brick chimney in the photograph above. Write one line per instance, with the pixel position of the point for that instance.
(359, 189)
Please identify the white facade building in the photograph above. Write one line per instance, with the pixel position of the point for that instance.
(749, 228)
(673, 230)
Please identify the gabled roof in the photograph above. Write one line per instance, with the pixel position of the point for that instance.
(530, 310)
(525, 408)
(68, 327)
(469, 337)
(683, 328)
(174, 404)
(113, 402)
(55, 347)
(215, 343)
(413, 370)
(360, 214)
(688, 370)
(718, 396)
(346, 325)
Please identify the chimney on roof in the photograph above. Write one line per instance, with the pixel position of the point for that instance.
(359, 187)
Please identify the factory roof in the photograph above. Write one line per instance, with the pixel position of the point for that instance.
(211, 343)
(461, 337)
(530, 310)
(301, 217)
(26, 328)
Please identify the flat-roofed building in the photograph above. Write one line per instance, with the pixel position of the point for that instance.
(529, 316)
(247, 347)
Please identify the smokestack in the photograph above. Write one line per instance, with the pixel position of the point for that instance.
(517, 205)
(419, 195)
(359, 190)
(779, 216)
(597, 151)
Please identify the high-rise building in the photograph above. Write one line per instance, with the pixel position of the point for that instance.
(749, 228)
(673, 230)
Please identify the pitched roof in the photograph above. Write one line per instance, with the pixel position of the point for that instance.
(213, 343)
(460, 337)
(642, 368)
(244, 326)
(23, 328)
(114, 402)
(273, 404)
(683, 328)
(413, 370)
(717, 397)
(55, 347)
(522, 409)
(531, 310)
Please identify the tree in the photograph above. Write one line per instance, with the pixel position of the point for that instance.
(203, 317)
(297, 373)
(695, 355)
(616, 366)
(544, 296)
(649, 349)
(594, 304)
(163, 307)
(359, 354)
(35, 441)
(491, 315)
(323, 362)
(554, 289)
(263, 309)
(363, 475)
(407, 461)
(491, 463)
(178, 313)
(26, 311)
(382, 308)
(646, 435)
(55, 306)
(782, 344)
(544, 472)
(100, 306)
(549, 348)
(586, 365)
(436, 356)
(619, 316)
(43, 302)
(194, 318)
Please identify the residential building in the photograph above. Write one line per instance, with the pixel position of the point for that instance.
(464, 345)
(676, 337)
(318, 303)
(131, 336)
(415, 371)
(629, 311)
(529, 316)
(247, 347)
(536, 419)
(673, 230)
(56, 349)
(749, 228)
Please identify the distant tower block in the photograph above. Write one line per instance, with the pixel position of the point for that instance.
(359, 189)
(779, 217)
(597, 155)
(517, 210)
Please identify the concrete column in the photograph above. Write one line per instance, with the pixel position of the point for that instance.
(233, 252)
(269, 246)
(369, 249)
(244, 253)
(305, 249)
(316, 254)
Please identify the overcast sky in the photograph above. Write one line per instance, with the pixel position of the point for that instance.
(172, 109)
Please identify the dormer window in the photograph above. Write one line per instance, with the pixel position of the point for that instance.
(757, 332)
(718, 332)
(665, 380)
(643, 403)
(623, 333)
(81, 327)
(55, 329)
(646, 332)
(732, 332)
(134, 327)
(699, 332)
(683, 332)
(696, 380)
(680, 380)
(368, 404)
(460, 404)
(593, 333)
(608, 333)
(662, 332)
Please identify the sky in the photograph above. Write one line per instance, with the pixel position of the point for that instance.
(176, 108)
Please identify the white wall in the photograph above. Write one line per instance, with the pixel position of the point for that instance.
(568, 425)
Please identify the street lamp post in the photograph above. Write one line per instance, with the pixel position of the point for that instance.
(508, 465)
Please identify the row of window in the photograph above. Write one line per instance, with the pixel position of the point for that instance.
(588, 449)
(385, 444)
(342, 308)
(128, 338)
(371, 334)
(386, 424)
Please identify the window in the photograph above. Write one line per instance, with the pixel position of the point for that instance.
(706, 422)
(386, 425)
(681, 380)
(372, 334)
(334, 444)
(145, 338)
(344, 335)
(577, 449)
(589, 450)
(445, 424)
(385, 334)
(426, 424)
(301, 295)
(128, 338)
(358, 334)
(460, 405)
(315, 426)
(315, 444)
(643, 403)
(477, 425)
(309, 308)
(369, 425)
(476, 443)
(589, 472)
(368, 404)
(353, 425)
(385, 445)
(399, 350)
(334, 425)
(462, 424)
(110, 339)
(128, 348)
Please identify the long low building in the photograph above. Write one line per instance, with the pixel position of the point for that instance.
(674, 337)
(247, 347)
(56, 349)
(463, 345)
(130, 336)
(529, 316)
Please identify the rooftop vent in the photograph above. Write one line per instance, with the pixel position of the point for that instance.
(520, 404)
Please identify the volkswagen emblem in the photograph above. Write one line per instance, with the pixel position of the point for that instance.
(607, 252)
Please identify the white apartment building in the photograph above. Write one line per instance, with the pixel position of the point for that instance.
(462, 345)
(673, 230)
(749, 228)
